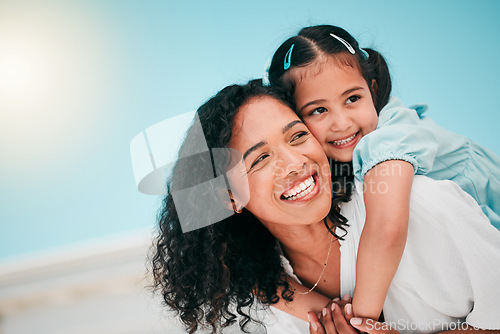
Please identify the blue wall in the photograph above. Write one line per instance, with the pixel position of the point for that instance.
(81, 78)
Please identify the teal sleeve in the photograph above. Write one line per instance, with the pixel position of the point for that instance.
(412, 143)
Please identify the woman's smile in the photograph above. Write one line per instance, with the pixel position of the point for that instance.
(288, 172)
(303, 191)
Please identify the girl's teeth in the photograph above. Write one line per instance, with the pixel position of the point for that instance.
(344, 141)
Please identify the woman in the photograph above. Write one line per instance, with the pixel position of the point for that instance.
(213, 274)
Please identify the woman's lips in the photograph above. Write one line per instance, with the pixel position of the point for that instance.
(303, 191)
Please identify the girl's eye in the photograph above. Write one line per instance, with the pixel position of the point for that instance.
(352, 99)
(258, 160)
(318, 111)
(299, 137)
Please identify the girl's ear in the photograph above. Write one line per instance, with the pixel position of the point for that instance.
(374, 87)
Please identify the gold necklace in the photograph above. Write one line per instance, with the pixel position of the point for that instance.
(322, 271)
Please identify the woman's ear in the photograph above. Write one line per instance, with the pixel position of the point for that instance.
(235, 206)
(229, 203)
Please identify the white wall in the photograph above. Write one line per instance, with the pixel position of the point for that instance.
(96, 287)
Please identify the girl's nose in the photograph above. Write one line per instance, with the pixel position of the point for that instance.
(340, 121)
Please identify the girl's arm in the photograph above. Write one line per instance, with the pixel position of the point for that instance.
(301, 304)
(386, 191)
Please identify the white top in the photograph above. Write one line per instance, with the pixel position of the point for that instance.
(449, 273)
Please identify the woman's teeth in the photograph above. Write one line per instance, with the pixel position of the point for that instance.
(344, 141)
(300, 190)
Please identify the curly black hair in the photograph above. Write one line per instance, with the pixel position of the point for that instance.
(212, 274)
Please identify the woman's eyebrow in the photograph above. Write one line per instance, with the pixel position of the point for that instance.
(290, 125)
(253, 148)
(262, 143)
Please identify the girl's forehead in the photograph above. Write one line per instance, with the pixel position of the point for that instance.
(342, 61)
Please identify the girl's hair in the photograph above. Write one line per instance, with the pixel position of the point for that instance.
(315, 42)
(212, 274)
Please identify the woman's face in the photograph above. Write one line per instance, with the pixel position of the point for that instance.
(288, 172)
(337, 106)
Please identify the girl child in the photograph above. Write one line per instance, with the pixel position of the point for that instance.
(342, 93)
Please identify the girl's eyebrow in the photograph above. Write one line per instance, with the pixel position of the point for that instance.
(349, 91)
(311, 102)
(319, 101)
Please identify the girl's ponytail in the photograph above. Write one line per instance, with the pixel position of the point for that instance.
(375, 68)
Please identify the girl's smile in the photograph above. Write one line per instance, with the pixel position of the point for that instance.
(346, 142)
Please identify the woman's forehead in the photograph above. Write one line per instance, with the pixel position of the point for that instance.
(262, 113)
(260, 118)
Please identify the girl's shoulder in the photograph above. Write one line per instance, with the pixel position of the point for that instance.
(395, 112)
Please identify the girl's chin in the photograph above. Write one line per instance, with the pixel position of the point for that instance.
(342, 157)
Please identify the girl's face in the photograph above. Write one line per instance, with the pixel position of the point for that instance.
(336, 105)
(288, 172)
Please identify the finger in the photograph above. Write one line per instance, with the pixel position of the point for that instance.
(341, 324)
(372, 327)
(327, 321)
(348, 314)
(314, 324)
(329, 305)
(344, 301)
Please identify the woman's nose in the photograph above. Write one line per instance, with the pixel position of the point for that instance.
(290, 161)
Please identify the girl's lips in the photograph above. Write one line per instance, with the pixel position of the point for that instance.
(305, 194)
(346, 142)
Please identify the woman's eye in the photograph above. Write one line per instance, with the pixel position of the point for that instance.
(258, 160)
(318, 111)
(352, 99)
(302, 135)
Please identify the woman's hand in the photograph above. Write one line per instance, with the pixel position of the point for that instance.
(334, 318)
(331, 321)
(339, 319)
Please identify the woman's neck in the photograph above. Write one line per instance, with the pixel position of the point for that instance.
(304, 243)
